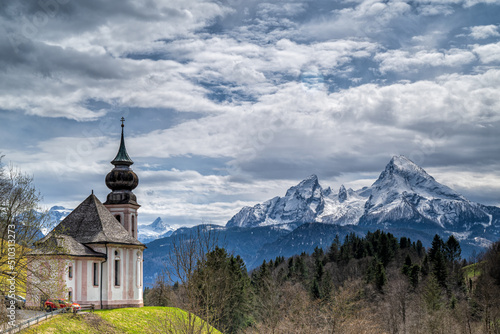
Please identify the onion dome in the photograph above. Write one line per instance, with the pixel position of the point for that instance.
(121, 180)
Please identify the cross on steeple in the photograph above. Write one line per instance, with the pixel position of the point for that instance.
(122, 157)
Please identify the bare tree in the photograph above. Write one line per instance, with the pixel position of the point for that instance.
(397, 299)
(21, 222)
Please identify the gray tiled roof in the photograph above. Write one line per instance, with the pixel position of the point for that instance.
(64, 245)
(91, 222)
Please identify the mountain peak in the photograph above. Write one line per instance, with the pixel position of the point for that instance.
(403, 178)
(159, 225)
(342, 194)
(306, 188)
(311, 178)
(57, 208)
(402, 163)
(404, 172)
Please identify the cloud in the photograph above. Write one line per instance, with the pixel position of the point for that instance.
(489, 53)
(404, 61)
(230, 103)
(483, 32)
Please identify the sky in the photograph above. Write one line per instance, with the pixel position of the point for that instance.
(229, 103)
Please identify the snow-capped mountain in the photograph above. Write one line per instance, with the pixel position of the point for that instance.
(304, 203)
(404, 200)
(405, 192)
(55, 215)
(301, 204)
(155, 230)
(403, 196)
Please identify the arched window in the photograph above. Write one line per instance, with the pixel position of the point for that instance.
(118, 217)
(117, 269)
(96, 274)
(139, 276)
(133, 225)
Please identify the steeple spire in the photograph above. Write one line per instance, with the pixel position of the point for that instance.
(122, 157)
(122, 179)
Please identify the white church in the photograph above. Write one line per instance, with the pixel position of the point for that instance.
(93, 256)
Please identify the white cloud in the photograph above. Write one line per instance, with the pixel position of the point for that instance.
(488, 53)
(403, 61)
(482, 32)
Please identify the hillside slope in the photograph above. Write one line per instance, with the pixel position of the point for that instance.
(125, 320)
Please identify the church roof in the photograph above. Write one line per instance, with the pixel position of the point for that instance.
(91, 222)
(122, 157)
(64, 245)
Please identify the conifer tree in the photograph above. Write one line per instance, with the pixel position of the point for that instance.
(439, 269)
(452, 249)
(420, 248)
(380, 276)
(436, 247)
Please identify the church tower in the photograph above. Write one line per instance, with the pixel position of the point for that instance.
(121, 201)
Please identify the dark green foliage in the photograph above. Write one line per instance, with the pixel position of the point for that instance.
(432, 295)
(318, 253)
(407, 266)
(492, 258)
(320, 270)
(223, 284)
(301, 268)
(404, 243)
(413, 275)
(439, 269)
(376, 274)
(452, 249)
(380, 276)
(333, 254)
(315, 289)
(436, 248)
(425, 266)
(420, 248)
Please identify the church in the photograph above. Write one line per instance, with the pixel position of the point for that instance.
(93, 255)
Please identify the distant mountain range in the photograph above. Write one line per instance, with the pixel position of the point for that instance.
(404, 195)
(155, 230)
(147, 233)
(404, 200)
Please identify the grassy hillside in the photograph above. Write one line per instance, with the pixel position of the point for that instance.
(473, 270)
(125, 320)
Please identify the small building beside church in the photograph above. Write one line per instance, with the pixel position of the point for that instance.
(93, 255)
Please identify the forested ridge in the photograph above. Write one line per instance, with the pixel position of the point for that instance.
(372, 284)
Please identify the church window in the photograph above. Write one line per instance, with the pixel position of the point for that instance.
(70, 271)
(118, 217)
(139, 269)
(70, 296)
(117, 272)
(96, 274)
(133, 226)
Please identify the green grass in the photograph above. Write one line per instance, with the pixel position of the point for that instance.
(472, 270)
(124, 320)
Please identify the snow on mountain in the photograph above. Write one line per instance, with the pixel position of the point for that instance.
(343, 208)
(405, 192)
(404, 195)
(301, 204)
(156, 230)
(56, 214)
